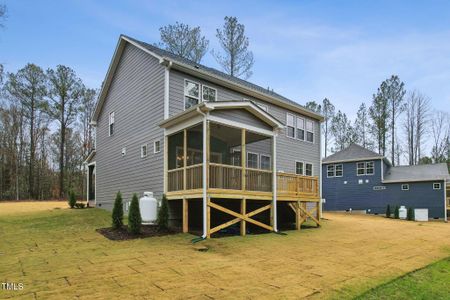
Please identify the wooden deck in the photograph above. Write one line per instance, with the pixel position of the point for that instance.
(243, 184)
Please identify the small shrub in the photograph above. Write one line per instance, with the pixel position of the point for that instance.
(134, 216)
(163, 214)
(388, 211)
(410, 214)
(72, 200)
(117, 213)
(397, 212)
(79, 205)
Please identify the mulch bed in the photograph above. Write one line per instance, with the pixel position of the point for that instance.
(122, 234)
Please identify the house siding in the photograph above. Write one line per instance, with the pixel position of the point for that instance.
(339, 196)
(288, 150)
(136, 96)
(242, 116)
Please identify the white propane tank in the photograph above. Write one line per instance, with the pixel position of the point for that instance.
(149, 208)
(402, 211)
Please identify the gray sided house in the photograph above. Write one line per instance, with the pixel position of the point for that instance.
(225, 152)
(359, 179)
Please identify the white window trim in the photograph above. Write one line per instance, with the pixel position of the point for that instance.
(270, 161)
(200, 98)
(257, 158)
(109, 122)
(365, 168)
(154, 146)
(407, 186)
(312, 168)
(293, 125)
(146, 151)
(209, 87)
(306, 131)
(335, 170)
(440, 186)
(303, 168)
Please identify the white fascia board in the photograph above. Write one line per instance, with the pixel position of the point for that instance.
(350, 160)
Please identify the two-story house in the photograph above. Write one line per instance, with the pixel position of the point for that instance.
(223, 150)
(359, 179)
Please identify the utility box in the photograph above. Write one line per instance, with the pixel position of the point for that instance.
(421, 214)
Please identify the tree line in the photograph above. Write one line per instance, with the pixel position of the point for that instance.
(45, 132)
(399, 124)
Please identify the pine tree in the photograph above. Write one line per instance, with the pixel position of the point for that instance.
(163, 214)
(117, 213)
(397, 212)
(410, 214)
(134, 216)
(388, 211)
(72, 200)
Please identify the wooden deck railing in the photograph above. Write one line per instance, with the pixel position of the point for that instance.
(297, 185)
(225, 177)
(230, 178)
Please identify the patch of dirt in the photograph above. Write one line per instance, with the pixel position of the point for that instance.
(123, 234)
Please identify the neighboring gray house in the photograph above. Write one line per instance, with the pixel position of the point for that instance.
(207, 140)
(359, 179)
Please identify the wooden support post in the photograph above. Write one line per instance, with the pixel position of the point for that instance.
(318, 208)
(166, 163)
(208, 151)
(243, 212)
(298, 219)
(208, 219)
(184, 157)
(185, 215)
(243, 159)
(271, 214)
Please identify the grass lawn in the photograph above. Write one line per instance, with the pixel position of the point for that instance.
(431, 282)
(57, 254)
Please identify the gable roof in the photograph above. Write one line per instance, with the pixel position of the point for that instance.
(353, 152)
(417, 173)
(221, 105)
(185, 65)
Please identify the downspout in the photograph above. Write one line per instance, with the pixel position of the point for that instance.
(274, 184)
(205, 118)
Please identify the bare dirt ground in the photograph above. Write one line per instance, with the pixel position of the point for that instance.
(59, 255)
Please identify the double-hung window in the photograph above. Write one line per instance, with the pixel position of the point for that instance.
(111, 123)
(209, 94)
(361, 168)
(309, 131)
(157, 146)
(300, 129)
(339, 170)
(330, 171)
(252, 160)
(290, 126)
(365, 168)
(308, 169)
(336, 170)
(191, 93)
(265, 162)
(299, 167)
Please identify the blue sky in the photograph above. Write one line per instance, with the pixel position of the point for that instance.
(305, 50)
